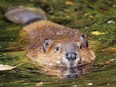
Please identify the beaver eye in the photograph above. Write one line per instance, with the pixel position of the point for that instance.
(57, 48)
(80, 46)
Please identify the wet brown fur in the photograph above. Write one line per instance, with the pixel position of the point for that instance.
(40, 30)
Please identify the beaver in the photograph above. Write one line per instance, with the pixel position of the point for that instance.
(58, 50)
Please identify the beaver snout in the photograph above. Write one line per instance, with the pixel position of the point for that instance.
(71, 56)
(72, 75)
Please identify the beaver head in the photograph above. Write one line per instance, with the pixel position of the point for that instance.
(65, 56)
(62, 57)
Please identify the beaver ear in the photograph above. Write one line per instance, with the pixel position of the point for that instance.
(84, 39)
(45, 44)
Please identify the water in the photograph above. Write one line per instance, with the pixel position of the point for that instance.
(27, 74)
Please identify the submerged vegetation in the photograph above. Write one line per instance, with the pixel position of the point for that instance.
(95, 18)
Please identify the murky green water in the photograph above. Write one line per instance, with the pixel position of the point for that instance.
(86, 15)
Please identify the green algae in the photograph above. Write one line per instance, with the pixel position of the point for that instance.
(86, 15)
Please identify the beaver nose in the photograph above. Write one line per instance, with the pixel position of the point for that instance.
(71, 56)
